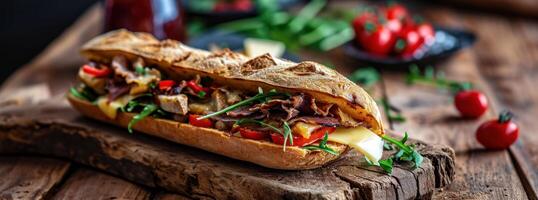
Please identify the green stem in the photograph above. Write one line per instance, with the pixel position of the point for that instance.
(397, 143)
(242, 103)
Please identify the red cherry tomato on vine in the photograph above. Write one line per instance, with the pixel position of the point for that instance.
(396, 11)
(409, 43)
(471, 103)
(377, 39)
(499, 133)
(426, 31)
(361, 19)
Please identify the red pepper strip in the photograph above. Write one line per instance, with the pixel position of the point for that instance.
(166, 84)
(96, 72)
(252, 134)
(206, 123)
(197, 88)
(299, 140)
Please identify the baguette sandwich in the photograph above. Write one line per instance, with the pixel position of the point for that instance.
(271, 112)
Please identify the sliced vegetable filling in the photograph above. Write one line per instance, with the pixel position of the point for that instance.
(281, 118)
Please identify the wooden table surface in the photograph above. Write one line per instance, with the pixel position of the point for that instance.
(503, 64)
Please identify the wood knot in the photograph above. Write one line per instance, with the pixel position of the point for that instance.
(258, 63)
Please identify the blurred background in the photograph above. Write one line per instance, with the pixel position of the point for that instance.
(28, 26)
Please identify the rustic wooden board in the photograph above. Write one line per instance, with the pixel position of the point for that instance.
(29, 181)
(85, 183)
(58, 130)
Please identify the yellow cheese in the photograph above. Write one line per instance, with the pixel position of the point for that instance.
(111, 108)
(304, 129)
(361, 139)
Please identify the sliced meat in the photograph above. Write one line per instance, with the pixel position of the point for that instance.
(345, 119)
(140, 82)
(120, 67)
(320, 109)
(116, 87)
(218, 99)
(325, 121)
(177, 104)
(232, 96)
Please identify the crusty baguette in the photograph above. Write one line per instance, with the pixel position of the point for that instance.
(263, 153)
(182, 62)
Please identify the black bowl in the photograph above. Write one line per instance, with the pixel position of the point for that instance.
(447, 42)
(224, 39)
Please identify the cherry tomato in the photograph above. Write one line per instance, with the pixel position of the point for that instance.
(360, 21)
(166, 84)
(206, 123)
(252, 134)
(426, 31)
(396, 11)
(95, 72)
(471, 103)
(377, 39)
(241, 5)
(299, 140)
(395, 26)
(499, 133)
(412, 41)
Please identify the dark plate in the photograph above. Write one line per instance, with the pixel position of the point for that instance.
(225, 16)
(228, 40)
(447, 42)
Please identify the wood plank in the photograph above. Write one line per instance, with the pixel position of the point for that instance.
(432, 117)
(89, 184)
(30, 177)
(510, 67)
(157, 163)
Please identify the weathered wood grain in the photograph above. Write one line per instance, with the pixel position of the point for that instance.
(30, 177)
(62, 132)
(90, 184)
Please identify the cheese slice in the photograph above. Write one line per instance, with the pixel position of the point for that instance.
(361, 139)
(111, 108)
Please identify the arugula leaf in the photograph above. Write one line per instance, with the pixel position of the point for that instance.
(406, 152)
(287, 135)
(148, 110)
(322, 146)
(73, 91)
(392, 113)
(429, 77)
(365, 76)
(263, 97)
(140, 70)
(85, 93)
(260, 123)
(386, 164)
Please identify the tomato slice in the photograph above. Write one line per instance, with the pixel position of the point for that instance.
(252, 134)
(96, 72)
(206, 123)
(166, 84)
(299, 140)
(196, 87)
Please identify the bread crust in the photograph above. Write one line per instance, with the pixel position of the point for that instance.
(236, 70)
(263, 153)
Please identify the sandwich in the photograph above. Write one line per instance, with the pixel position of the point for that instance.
(264, 110)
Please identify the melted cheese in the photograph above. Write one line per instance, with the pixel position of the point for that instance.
(111, 108)
(361, 139)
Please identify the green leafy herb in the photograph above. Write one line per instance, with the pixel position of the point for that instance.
(148, 110)
(201, 94)
(287, 135)
(386, 165)
(85, 93)
(260, 97)
(365, 76)
(140, 70)
(392, 112)
(437, 80)
(322, 146)
(259, 123)
(406, 152)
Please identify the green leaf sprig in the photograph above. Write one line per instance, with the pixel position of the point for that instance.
(85, 93)
(260, 97)
(285, 131)
(404, 153)
(366, 77)
(436, 79)
(322, 146)
(392, 112)
(148, 110)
